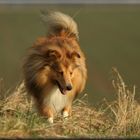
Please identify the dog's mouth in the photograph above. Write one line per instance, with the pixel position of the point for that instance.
(62, 90)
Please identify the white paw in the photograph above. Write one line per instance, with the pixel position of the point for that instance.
(65, 114)
(50, 120)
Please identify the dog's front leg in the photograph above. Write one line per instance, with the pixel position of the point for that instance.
(67, 111)
(48, 112)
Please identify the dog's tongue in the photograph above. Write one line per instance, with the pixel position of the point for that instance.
(64, 91)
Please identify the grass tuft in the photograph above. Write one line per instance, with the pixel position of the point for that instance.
(119, 118)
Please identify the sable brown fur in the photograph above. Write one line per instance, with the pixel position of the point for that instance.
(55, 62)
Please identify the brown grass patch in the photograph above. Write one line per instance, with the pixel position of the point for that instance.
(121, 117)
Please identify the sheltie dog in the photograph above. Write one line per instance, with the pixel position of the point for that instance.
(54, 68)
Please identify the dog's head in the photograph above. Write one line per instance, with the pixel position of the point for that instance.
(63, 56)
(63, 64)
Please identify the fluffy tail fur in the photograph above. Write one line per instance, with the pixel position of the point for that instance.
(59, 23)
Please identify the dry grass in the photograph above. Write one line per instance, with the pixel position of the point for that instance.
(121, 117)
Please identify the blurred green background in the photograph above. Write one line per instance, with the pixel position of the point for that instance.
(109, 36)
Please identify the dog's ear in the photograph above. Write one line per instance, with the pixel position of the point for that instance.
(75, 54)
(53, 53)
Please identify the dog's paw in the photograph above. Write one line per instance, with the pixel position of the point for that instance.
(50, 120)
(65, 114)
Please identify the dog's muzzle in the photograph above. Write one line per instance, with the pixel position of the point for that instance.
(64, 90)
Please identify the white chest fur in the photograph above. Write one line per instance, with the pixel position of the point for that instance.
(55, 99)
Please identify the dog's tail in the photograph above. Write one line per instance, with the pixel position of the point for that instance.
(59, 23)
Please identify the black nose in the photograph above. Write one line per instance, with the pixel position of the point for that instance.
(69, 87)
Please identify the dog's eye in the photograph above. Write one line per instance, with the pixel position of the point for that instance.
(61, 72)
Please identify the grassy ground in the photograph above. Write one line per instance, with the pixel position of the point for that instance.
(119, 118)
